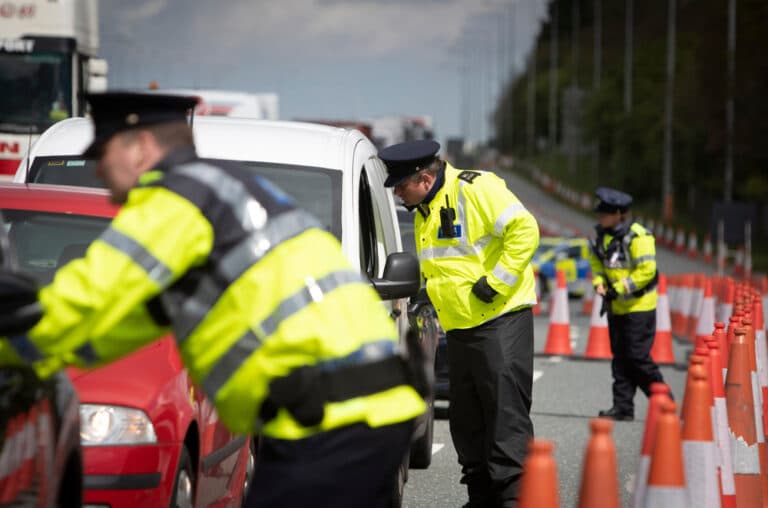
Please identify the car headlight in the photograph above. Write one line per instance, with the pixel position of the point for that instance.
(114, 425)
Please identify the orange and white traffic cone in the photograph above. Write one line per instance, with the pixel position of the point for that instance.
(696, 305)
(757, 398)
(706, 318)
(738, 262)
(559, 333)
(707, 251)
(722, 438)
(699, 450)
(686, 305)
(539, 486)
(666, 476)
(599, 476)
(680, 241)
(693, 245)
(659, 395)
(700, 357)
(598, 341)
(722, 340)
(661, 352)
(725, 309)
(741, 420)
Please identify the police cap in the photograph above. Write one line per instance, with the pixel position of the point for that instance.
(406, 159)
(113, 112)
(612, 200)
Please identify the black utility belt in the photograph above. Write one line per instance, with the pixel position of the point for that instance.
(306, 390)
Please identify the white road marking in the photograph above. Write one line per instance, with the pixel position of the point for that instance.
(537, 374)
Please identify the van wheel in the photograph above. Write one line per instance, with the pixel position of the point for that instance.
(421, 449)
(399, 485)
(184, 485)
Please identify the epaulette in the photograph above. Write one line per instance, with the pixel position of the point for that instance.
(468, 176)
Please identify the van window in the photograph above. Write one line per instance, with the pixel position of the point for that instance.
(368, 243)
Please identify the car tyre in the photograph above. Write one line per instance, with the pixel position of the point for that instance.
(421, 448)
(184, 484)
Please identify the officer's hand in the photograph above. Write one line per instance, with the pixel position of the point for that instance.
(483, 291)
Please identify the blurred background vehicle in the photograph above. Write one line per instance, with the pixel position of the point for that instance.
(571, 255)
(149, 435)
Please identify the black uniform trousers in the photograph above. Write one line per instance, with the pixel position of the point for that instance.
(491, 380)
(632, 337)
(349, 467)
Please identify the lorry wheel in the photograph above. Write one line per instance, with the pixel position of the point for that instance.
(184, 485)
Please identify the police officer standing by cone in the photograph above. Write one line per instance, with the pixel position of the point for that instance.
(271, 319)
(623, 262)
(475, 241)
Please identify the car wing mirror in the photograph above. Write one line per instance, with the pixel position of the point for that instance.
(401, 278)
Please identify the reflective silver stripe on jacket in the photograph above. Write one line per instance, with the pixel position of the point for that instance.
(233, 358)
(156, 269)
(642, 259)
(265, 233)
(507, 278)
(25, 348)
(506, 216)
(449, 252)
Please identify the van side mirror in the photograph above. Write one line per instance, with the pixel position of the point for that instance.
(402, 277)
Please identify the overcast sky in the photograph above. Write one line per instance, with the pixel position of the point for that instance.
(331, 59)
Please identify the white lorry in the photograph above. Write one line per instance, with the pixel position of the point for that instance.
(48, 52)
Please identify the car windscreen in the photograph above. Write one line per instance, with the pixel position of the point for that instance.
(70, 170)
(43, 242)
(317, 190)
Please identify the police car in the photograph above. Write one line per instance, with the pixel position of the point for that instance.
(334, 173)
(571, 255)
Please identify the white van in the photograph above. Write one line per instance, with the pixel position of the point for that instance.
(334, 173)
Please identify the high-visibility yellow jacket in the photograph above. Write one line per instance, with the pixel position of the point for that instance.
(495, 236)
(627, 262)
(251, 287)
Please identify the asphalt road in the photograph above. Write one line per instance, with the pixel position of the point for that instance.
(568, 391)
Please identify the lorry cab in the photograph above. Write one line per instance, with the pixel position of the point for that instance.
(47, 61)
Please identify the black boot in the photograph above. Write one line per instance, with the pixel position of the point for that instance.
(615, 414)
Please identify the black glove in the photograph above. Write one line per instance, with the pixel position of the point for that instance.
(610, 294)
(483, 291)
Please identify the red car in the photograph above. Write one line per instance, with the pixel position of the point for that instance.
(149, 436)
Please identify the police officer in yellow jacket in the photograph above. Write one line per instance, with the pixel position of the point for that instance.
(270, 318)
(623, 262)
(475, 241)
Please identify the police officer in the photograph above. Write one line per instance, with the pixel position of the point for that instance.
(623, 262)
(475, 241)
(270, 318)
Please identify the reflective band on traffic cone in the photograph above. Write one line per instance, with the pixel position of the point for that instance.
(599, 475)
(680, 241)
(699, 450)
(762, 356)
(705, 322)
(666, 476)
(722, 439)
(659, 395)
(707, 251)
(598, 341)
(741, 420)
(539, 486)
(661, 351)
(686, 304)
(559, 334)
(693, 245)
